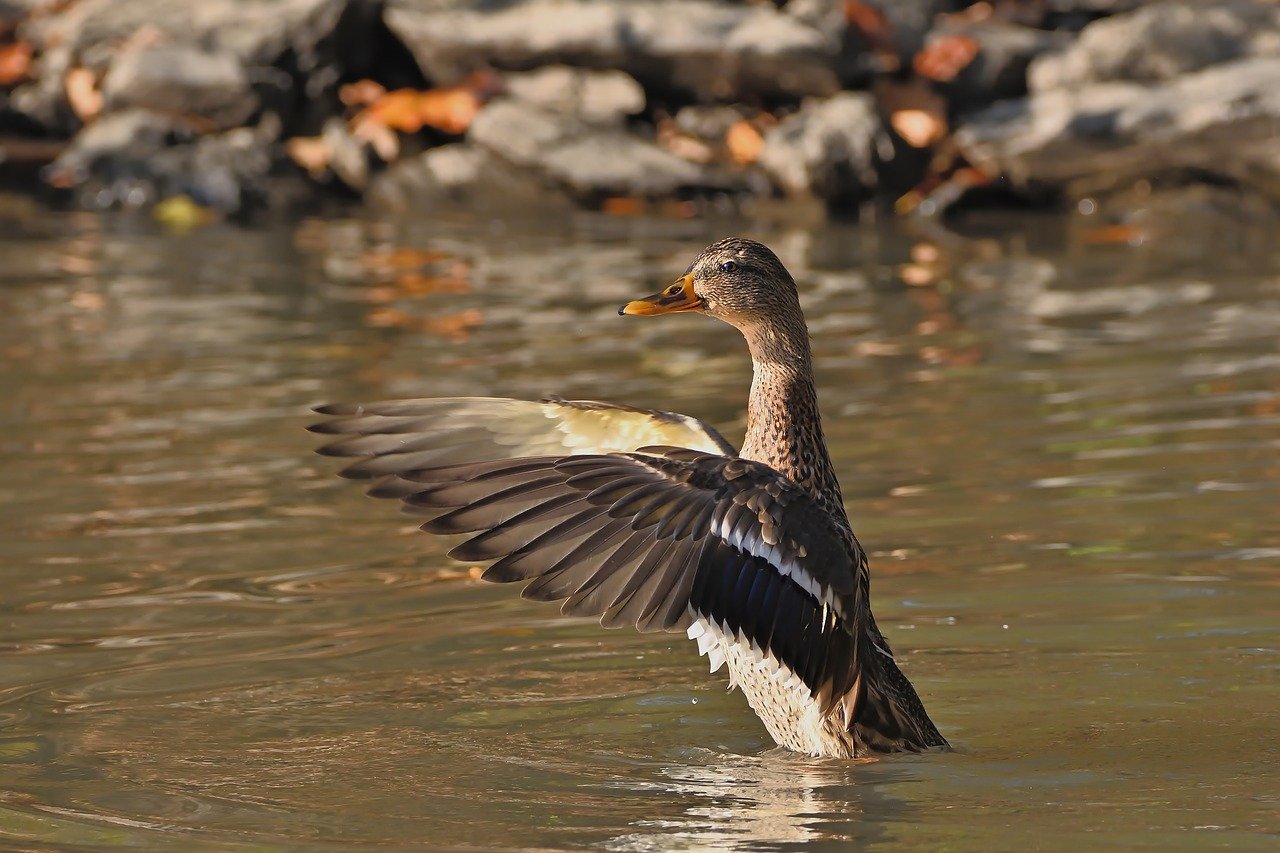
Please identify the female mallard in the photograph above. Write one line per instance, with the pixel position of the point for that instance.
(650, 519)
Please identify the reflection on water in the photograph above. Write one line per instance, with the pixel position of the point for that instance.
(1062, 452)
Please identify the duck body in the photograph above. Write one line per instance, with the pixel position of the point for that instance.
(651, 519)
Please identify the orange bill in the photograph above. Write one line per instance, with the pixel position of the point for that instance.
(677, 296)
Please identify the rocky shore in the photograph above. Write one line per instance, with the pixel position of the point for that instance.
(231, 107)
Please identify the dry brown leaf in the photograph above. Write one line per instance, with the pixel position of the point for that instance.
(361, 93)
(311, 153)
(674, 209)
(408, 110)
(744, 142)
(15, 63)
(82, 93)
(871, 21)
(943, 58)
(919, 128)
(624, 205)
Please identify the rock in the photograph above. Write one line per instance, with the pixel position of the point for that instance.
(999, 71)
(183, 80)
(587, 159)
(460, 175)
(709, 123)
(117, 146)
(1223, 121)
(826, 149)
(134, 157)
(706, 49)
(600, 97)
(300, 37)
(1161, 41)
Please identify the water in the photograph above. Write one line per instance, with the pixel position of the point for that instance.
(1061, 454)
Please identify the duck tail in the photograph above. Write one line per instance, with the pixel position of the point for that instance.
(888, 715)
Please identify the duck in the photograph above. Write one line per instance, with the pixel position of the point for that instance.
(652, 519)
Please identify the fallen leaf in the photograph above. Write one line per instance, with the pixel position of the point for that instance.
(943, 58)
(361, 93)
(919, 128)
(15, 63)
(871, 22)
(81, 86)
(449, 109)
(744, 142)
(623, 206)
(674, 209)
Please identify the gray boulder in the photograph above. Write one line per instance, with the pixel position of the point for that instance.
(1222, 121)
(303, 34)
(1161, 41)
(587, 159)
(710, 50)
(460, 175)
(134, 157)
(826, 149)
(183, 80)
(598, 97)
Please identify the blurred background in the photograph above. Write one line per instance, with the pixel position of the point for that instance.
(1036, 244)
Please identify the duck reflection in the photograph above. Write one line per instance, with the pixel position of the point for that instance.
(766, 801)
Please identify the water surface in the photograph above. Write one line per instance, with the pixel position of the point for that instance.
(1060, 451)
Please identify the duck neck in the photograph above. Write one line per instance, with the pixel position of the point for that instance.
(784, 428)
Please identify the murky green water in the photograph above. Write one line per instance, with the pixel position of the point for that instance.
(1062, 455)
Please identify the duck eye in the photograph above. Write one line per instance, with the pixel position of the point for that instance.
(728, 266)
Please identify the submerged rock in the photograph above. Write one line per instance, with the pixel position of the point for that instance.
(710, 50)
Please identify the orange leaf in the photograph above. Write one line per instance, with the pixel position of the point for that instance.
(623, 206)
(450, 110)
(361, 93)
(919, 128)
(869, 20)
(744, 142)
(943, 58)
(15, 63)
(408, 111)
(82, 93)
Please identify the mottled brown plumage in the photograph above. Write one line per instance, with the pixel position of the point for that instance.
(752, 555)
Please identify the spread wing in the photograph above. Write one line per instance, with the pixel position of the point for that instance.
(656, 539)
(401, 435)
